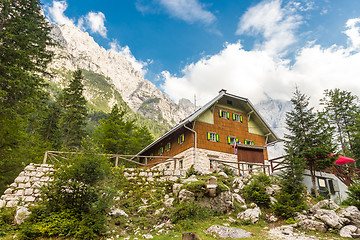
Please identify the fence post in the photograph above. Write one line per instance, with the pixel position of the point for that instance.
(45, 157)
(116, 161)
(146, 163)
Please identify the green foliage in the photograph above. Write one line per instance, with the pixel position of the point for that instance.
(196, 186)
(191, 171)
(290, 221)
(227, 171)
(117, 136)
(76, 202)
(353, 195)
(309, 137)
(6, 220)
(256, 190)
(189, 211)
(73, 118)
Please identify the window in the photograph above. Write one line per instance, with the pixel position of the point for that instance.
(249, 142)
(168, 147)
(237, 117)
(181, 163)
(161, 150)
(224, 114)
(181, 139)
(214, 137)
(211, 164)
(151, 158)
(231, 140)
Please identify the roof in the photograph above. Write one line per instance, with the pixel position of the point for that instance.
(223, 97)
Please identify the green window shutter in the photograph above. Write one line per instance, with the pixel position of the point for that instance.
(236, 140)
(217, 137)
(228, 115)
(208, 136)
(169, 145)
(252, 143)
(245, 141)
(233, 117)
(179, 139)
(228, 139)
(241, 118)
(220, 113)
(183, 137)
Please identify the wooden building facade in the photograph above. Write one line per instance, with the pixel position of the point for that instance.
(228, 128)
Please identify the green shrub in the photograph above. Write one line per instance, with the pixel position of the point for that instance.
(227, 171)
(256, 192)
(191, 171)
(353, 195)
(196, 186)
(189, 210)
(75, 203)
(6, 220)
(290, 221)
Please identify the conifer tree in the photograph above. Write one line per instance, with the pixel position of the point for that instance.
(73, 119)
(309, 136)
(340, 108)
(118, 136)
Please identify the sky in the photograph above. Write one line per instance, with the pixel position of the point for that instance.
(255, 49)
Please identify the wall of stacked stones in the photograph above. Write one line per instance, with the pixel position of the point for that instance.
(26, 187)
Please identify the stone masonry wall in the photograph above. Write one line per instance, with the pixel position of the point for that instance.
(26, 187)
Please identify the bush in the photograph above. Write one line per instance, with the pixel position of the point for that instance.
(191, 171)
(353, 195)
(289, 201)
(189, 210)
(75, 203)
(6, 220)
(256, 192)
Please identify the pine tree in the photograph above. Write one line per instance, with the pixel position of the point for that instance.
(118, 136)
(73, 119)
(309, 136)
(340, 108)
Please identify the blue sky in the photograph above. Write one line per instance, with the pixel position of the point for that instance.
(256, 49)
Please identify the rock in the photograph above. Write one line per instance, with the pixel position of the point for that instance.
(238, 198)
(273, 200)
(276, 188)
(21, 214)
(199, 170)
(10, 204)
(223, 203)
(190, 236)
(271, 218)
(185, 195)
(169, 202)
(351, 213)
(2, 203)
(158, 211)
(299, 216)
(227, 232)
(329, 217)
(222, 174)
(147, 236)
(253, 205)
(312, 225)
(286, 229)
(8, 191)
(324, 203)
(270, 191)
(118, 212)
(348, 230)
(177, 188)
(252, 214)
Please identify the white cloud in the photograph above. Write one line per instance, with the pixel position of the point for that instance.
(353, 32)
(257, 74)
(125, 51)
(95, 22)
(56, 13)
(276, 24)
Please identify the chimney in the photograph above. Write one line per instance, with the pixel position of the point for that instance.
(222, 91)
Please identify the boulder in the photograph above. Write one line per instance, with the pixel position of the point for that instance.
(312, 225)
(330, 218)
(223, 203)
(118, 212)
(222, 174)
(177, 188)
(324, 203)
(2, 203)
(169, 202)
(270, 191)
(227, 232)
(185, 196)
(348, 230)
(147, 236)
(21, 214)
(238, 198)
(252, 214)
(351, 213)
(190, 236)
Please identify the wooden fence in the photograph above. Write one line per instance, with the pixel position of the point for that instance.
(243, 167)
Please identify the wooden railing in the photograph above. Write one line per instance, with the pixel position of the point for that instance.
(277, 163)
(244, 167)
(118, 159)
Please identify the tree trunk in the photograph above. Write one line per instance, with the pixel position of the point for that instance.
(312, 173)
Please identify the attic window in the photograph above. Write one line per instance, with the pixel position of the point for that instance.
(168, 147)
(229, 102)
(237, 117)
(181, 139)
(161, 150)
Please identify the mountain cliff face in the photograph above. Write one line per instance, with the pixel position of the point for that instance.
(78, 50)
